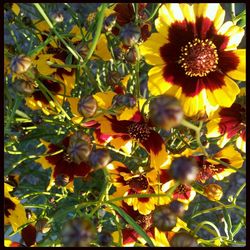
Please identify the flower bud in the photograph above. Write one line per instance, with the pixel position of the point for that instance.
(99, 158)
(163, 218)
(127, 100)
(58, 17)
(165, 112)
(131, 56)
(20, 64)
(130, 34)
(213, 192)
(104, 238)
(79, 147)
(177, 207)
(114, 77)
(61, 180)
(109, 22)
(42, 226)
(183, 239)
(78, 232)
(184, 169)
(24, 87)
(118, 54)
(87, 106)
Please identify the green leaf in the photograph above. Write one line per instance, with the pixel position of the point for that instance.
(131, 221)
(228, 224)
(69, 59)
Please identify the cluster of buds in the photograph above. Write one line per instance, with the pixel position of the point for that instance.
(99, 158)
(130, 34)
(183, 239)
(24, 87)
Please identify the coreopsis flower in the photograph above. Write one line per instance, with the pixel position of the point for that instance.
(128, 183)
(213, 191)
(209, 168)
(195, 56)
(229, 122)
(63, 163)
(14, 212)
(130, 237)
(140, 131)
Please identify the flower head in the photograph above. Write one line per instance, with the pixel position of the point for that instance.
(195, 56)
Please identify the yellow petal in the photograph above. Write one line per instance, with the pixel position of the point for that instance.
(240, 72)
(102, 50)
(188, 12)
(213, 129)
(226, 95)
(241, 144)
(119, 143)
(73, 102)
(104, 99)
(156, 82)
(208, 10)
(16, 9)
(151, 49)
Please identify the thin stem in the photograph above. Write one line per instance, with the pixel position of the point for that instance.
(238, 192)
(97, 33)
(154, 12)
(199, 226)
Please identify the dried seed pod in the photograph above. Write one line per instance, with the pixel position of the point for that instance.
(87, 106)
(214, 192)
(20, 64)
(130, 34)
(99, 158)
(79, 147)
(177, 207)
(58, 17)
(183, 239)
(118, 54)
(163, 218)
(131, 56)
(165, 111)
(43, 226)
(61, 180)
(114, 77)
(184, 169)
(24, 87)
(109, 22)
(78, 232)
(104, 238)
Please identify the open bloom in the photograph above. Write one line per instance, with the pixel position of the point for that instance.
(229, 122)
(64, 170)
(195, 56)
(129, 183)
(14, 211)
(140, 131)
(159, 239)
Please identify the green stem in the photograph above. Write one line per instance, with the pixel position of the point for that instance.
(153, 13)
(199, 226)
(137, 71)
(42, 12)
(197, 134)
(238, 193)
(97, 33)
(16, 105)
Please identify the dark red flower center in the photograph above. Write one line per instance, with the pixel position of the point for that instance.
(145, 221)
(8, 204)
(198, 58)
(139, 183)
(139, 131)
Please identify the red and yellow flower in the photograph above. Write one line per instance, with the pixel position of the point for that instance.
(129, 183)
(130, 237)
(62, 165)
(186, 35)
(229, 122)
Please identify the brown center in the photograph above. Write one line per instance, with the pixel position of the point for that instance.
(139, 131)
(145, 221)
(139, 183)
(198, 58)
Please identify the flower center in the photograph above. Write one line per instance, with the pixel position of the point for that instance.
(145, 221)
(139, 183)
(199, 57)
(139, 131)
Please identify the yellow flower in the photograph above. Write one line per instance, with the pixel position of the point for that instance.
(185, 34)
(14, 212)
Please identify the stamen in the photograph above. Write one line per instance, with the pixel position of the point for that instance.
(139, 131)
(198, 58)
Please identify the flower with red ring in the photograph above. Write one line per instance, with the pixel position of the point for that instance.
(195, 56)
